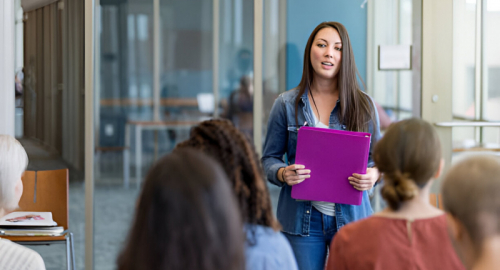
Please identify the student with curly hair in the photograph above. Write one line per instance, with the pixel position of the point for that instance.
(266, 248)
(410, 233)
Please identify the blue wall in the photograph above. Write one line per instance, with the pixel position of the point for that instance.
(304, 15)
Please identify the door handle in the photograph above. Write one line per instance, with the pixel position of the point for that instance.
(468, 124)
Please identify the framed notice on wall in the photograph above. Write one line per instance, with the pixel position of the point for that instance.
(394, 57)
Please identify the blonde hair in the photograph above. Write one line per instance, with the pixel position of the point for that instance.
(408, 155)
(470, 193)
(13, 163)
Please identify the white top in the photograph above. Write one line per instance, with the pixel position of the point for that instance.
(326, 208)
(16, 257)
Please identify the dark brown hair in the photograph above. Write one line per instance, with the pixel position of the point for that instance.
(186, 218)
(408, 155)
(221, 140)
(356, 109)
(471, 191)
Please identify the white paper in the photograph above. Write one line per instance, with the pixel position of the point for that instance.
(394, 57)
(46, 219)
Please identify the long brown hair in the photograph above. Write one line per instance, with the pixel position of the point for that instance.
(186, 218)
(355, 106)
(408, 155)
(221, 140)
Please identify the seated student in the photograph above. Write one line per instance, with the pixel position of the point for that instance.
(410, 233)
(266, 247)
(186, 218)
(471, 196)
(13, 163)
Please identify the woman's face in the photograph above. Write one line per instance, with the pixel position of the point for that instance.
(326, 53)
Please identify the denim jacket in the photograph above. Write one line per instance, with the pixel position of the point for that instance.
(295, 216)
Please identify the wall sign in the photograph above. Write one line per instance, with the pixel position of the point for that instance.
(394, 57)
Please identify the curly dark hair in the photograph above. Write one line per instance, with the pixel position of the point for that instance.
(220, 139)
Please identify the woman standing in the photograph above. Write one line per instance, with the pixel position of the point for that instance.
(328, 96)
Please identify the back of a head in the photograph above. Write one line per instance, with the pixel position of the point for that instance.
(13, 163)
(470, 193)
(186, 218)
(221, 140)
(408, 155)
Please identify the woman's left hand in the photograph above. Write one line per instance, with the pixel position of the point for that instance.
(365, 181)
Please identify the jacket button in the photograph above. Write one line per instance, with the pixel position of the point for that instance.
(307, 211)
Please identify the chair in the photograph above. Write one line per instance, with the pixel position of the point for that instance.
(436, 200)
(111, 137)
(47, 191)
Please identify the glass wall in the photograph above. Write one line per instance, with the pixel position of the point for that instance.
(131, 132)
(123, 94)
(392, 89)
(464, 70)
(491, 73)
(235, 63)
(476, 62)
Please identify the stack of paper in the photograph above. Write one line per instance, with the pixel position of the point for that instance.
(35, 231)
(29, 224)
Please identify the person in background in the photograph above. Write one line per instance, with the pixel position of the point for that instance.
(186, 218)
(19, 83)
(385, 120)
(328, 96)
(266, 247)
(471, 198)
(13, 163)
(240, 107)
(410, 233)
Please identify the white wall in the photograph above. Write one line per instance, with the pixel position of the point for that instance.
(7, 99)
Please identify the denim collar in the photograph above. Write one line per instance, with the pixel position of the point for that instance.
(305, 97)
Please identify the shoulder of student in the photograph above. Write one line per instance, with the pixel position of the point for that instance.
(15, 256)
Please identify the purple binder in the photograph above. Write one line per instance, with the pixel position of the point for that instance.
(332, 156)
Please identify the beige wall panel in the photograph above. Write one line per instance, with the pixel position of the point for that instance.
(437, 62)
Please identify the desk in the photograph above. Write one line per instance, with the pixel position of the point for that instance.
(139, 127)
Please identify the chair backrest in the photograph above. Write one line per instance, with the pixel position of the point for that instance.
(436, 200)
(47, 191)
(433, 199)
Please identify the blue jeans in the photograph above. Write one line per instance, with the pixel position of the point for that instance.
(311, 251)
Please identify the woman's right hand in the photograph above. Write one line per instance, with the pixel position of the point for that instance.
(293, 174)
